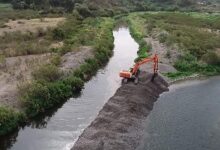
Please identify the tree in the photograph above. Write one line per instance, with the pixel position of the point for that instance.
(83, 10)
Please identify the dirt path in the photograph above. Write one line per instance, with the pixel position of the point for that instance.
(165, 61)
(120, 124)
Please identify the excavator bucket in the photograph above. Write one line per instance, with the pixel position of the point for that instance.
(125, 74)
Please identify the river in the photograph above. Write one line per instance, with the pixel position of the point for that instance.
(185, 118)
(60, 128)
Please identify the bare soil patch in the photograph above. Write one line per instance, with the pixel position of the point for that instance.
(167, 56)
(73, 60)
(15, 70)
(32, 25)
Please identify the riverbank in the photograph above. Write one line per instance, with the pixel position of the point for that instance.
(173, 123)
(119, 125)
(61, 126)
(49, 88)
(106, 130)
(180, 46)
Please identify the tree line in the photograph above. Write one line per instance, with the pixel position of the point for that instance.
(87, 8)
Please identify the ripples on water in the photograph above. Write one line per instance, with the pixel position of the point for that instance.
(186, 118)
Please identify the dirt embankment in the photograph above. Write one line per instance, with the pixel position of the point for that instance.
(119, 125)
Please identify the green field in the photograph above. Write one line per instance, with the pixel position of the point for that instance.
(4, 7)
(196, 34)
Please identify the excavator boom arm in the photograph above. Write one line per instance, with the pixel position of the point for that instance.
(146, 60)
(133, 72)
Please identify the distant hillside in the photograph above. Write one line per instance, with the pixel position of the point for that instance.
(108, 7)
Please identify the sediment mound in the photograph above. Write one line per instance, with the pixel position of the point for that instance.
(120, 123)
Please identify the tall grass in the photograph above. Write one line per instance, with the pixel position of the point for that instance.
(194, 33)
(138, 32)
(49, 88)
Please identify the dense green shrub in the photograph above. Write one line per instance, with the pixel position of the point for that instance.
(35, 97)
(193, 33)
(59, 92)
(9, 120)
(39, 96)
(83, 10)
(49, 88)
(76, 83)
(139, 38)
(188, 64)
(48, 72)
(211, 58)
(58, 34)
(56, 60)
(178, 74)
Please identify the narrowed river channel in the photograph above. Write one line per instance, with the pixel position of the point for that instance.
(60, 128)
(185, 118)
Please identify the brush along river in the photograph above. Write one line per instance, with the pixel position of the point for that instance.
(61, 127)
(185, 118)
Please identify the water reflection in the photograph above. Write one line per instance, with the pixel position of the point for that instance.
(60, 127)
(186, 118)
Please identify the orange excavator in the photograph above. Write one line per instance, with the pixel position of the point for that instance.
(134, 72)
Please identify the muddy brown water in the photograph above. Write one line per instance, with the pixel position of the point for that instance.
(185, 118)
(60, 128)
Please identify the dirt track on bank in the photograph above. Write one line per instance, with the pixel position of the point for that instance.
(119, 125)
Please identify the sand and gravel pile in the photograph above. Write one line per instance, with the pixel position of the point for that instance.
(120, 123)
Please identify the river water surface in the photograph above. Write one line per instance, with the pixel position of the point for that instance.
(185, 118)
(61, 128)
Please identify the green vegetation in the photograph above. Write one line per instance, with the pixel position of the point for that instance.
(9, 119)
(47, 73)
(188, 65)
(6, 14)
(105, 8)
(194, 33)
(50, 87)
(18, 44)
(40, 96)
(23, 42)
(138, 33)
(5, 7)
(196, 37)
